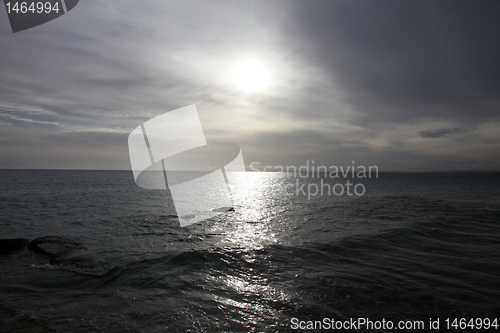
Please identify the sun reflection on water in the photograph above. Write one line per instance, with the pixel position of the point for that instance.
(258, 200)
(244, 291)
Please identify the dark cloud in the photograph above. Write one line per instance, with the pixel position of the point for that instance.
(404, 60)
(440, 133)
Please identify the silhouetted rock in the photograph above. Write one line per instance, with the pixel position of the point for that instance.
(13, 321)
(223, 209)
(60, 250)
(169, 217)
(10, 245)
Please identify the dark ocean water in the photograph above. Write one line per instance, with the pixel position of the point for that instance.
(413, 247)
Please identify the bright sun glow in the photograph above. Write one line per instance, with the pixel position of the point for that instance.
(251, 76)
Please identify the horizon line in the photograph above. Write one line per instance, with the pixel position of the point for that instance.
(252, 171)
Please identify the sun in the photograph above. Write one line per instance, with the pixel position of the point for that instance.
(251, 76)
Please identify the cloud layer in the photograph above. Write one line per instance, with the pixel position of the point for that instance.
(411, 85)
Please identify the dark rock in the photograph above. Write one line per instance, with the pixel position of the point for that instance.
(53, 245)
(223, 209)
(8, 246)
(168, 217)
(60, 250)
(13, 321)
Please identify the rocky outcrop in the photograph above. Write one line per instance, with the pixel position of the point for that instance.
(53, 245)
(13, 321)
(223, 209)
(60, 250)
(8, 246)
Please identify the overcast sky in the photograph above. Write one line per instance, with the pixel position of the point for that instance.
(404, 85)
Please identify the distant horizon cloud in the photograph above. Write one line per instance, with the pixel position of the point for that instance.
(441, 132)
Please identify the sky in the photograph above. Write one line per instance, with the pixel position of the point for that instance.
(403, 85)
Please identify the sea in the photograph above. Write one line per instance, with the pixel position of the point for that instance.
(412, 248)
